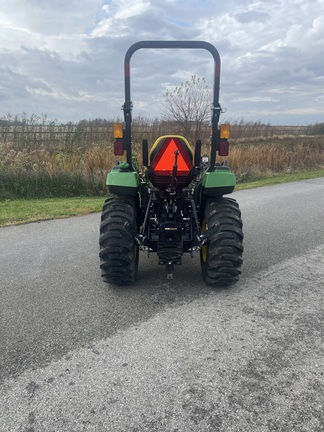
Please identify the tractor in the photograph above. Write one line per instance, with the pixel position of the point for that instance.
(175, 203)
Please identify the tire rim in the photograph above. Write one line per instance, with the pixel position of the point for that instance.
(204, 247)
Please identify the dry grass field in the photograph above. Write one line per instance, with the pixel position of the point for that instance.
(47, 160)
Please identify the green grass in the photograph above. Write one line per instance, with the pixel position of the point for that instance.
(280, 178)
(19, 211)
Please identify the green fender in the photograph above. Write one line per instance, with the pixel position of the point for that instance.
(219, 182)
(122, 181)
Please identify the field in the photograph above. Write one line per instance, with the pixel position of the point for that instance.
(39, 158)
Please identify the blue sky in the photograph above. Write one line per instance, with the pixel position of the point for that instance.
(65, 58)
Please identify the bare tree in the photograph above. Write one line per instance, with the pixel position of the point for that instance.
(189, 105)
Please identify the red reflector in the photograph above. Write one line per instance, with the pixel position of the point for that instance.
(118, 148)
(223, 148)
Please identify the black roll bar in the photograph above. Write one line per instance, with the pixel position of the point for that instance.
(216, 109)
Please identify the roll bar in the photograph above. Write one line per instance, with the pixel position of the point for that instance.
(216, 109)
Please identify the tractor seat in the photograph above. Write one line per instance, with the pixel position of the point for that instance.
(162, 159)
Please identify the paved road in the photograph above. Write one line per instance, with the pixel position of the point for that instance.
(77, 355)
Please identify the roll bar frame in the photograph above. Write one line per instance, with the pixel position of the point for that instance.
(216, 109)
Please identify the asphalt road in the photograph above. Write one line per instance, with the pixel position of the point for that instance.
(79, 355)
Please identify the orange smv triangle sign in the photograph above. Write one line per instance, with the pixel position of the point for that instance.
(167, 159)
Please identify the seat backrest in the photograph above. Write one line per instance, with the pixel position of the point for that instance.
(162, 157)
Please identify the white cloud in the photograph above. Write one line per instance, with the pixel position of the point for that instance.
(66, 57)
(256, 99)
(118, 12)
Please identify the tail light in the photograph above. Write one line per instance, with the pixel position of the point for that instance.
(118, 147)
(223, 148)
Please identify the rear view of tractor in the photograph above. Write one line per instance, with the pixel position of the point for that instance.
(175, 204)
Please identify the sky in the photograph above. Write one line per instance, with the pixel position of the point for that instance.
(65, 58)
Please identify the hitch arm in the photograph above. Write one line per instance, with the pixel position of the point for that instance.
(174, 172)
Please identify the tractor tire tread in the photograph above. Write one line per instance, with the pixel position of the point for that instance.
(223, 262)
(118, 250)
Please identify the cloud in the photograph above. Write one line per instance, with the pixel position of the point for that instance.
(251, 16)
(66, 58)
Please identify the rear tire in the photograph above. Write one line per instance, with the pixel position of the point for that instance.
(221, 256)
(118, 248)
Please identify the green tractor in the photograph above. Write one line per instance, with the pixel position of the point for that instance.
(175, 204)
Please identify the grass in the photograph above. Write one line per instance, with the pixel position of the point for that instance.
(18, 211)
(280, 178)
(13, 212)
(54, 171)
(42, 162)
(44, 173)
